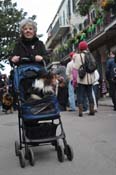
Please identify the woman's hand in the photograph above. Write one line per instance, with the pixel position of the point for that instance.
(38, 58)
(15, 59)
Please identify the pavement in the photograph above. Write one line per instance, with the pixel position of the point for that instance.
(105, 101)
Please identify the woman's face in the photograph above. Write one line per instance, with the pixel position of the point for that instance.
(28, 31)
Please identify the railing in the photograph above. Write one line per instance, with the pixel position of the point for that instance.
(55, 28)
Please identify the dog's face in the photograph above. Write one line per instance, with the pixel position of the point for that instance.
(42, 86)
(45, 84)
(7, 99)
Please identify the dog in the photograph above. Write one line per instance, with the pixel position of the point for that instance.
(43, 86)
(7, 103)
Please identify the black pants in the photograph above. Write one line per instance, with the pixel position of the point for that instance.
(112, 91)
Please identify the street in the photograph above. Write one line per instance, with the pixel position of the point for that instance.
(93, 139)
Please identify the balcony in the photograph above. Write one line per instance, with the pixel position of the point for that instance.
(106, 30)
(56, 34)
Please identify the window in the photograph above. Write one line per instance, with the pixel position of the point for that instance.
(63, 18)
(93, 15)
(68, 9)
(73, 5)
(80, 26)
(86, 22)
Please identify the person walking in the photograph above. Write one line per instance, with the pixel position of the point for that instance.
(111, 76)
(71, 94)
(96, 89)
(84, 84)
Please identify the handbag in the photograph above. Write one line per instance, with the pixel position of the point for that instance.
(82, 69)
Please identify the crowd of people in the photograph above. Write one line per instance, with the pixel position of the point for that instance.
(72, 91)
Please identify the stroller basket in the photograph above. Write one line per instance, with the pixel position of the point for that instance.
(41, 131)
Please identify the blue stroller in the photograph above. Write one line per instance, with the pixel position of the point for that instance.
(38, 120)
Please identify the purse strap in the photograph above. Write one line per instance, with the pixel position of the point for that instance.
(81, 59)
(84, 66)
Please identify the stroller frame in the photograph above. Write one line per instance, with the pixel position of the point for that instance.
(30, 134)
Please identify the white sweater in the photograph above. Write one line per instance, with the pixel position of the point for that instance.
(89, 78)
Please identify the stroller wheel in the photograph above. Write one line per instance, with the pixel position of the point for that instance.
(17, 147)
(69, 152)
(21, 159)
(31, 157)
(60, 153)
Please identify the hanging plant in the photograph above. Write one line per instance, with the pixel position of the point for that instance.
(72, 40)
(99, 21)
(93, 26)
(106, 4)
(83, 36)
(84, 6)
(61, 49)
(65, 46)
(76, 41)
(89, 29)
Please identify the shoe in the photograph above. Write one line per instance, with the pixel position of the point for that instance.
(71, 110)
(4, 110)
(81, 115)
(85, 112)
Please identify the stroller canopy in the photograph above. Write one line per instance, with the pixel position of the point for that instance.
(26, 71)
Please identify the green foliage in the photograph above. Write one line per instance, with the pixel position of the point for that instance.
(84, 6)
(10, 18)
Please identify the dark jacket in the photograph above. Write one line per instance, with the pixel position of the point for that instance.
(109, 67)
(26, 48)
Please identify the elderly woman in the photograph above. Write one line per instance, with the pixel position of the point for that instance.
(28, 45)
(28, 49)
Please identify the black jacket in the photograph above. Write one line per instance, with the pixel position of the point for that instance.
(26, 48)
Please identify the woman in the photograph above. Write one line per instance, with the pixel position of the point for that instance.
(84, 84)
(28, 45)
(28, 49)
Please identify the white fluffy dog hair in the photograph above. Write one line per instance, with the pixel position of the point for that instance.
(40, 84)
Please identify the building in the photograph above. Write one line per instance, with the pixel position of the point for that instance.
(96, 25)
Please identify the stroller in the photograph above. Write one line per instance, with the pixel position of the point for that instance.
(39, 121)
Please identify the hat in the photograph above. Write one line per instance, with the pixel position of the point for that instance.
(28, 21)
(71, 54)
(83, 45)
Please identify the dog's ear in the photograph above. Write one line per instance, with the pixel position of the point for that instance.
(42, 74)
(50, 75)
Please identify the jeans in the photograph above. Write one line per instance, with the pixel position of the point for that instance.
(71, 96)
(85, 91)
(96, 91)
(85, 103)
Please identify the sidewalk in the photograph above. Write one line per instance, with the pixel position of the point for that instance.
(105, 101)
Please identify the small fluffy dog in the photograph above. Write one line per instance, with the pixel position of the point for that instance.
(43, 86)
(7, 103)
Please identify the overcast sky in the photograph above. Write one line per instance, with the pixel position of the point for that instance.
(45, 11)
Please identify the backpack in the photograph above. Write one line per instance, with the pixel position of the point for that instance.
(82, 69)
(113, 72)
(90, 62)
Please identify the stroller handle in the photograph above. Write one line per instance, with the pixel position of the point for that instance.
(26, 60)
